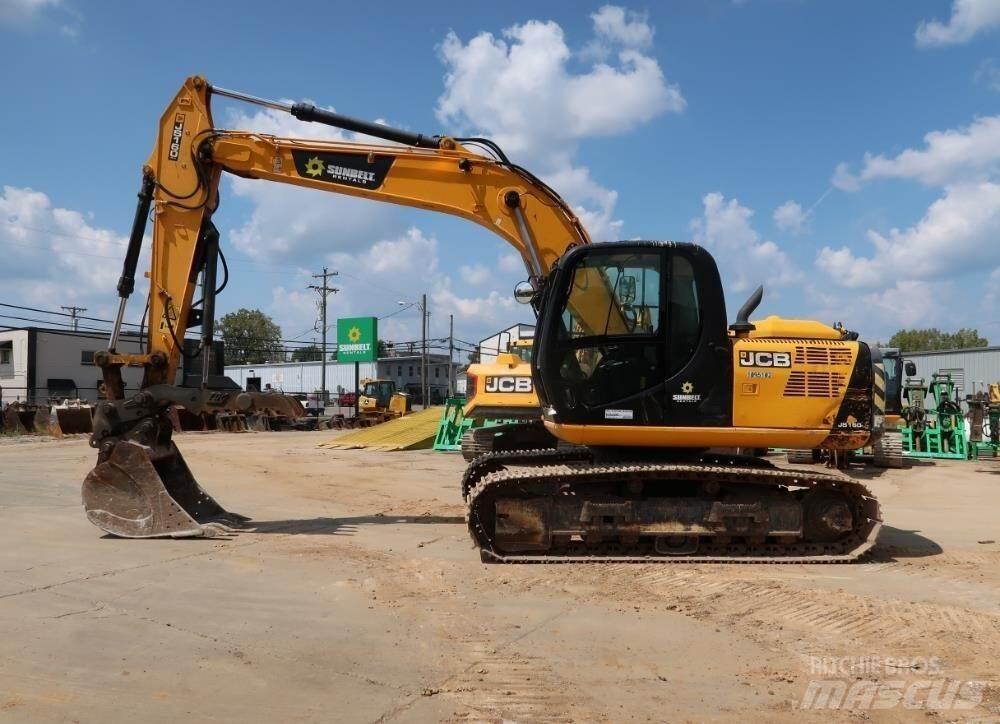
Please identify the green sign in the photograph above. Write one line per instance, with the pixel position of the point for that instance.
(357, 339)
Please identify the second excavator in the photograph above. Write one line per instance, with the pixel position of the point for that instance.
(635, 365)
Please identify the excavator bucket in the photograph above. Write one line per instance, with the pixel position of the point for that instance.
(18, 419)
(42, 421)
(134, 494)
(71, 420)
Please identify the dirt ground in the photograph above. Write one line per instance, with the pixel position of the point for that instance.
(359, 598)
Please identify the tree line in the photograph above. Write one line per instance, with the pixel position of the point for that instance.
(926, 340)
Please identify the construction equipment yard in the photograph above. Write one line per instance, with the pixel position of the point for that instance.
(357, 596)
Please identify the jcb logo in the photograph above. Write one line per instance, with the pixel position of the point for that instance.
(508, 384)
(749, 358)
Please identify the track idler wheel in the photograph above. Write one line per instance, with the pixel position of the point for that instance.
(828, 516)
(145, 492)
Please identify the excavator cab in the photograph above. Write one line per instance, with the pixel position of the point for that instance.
(635, 334)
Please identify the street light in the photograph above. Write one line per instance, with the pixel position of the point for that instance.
(422, 306)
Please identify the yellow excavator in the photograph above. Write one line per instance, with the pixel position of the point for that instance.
(634, 364)
(503, 390)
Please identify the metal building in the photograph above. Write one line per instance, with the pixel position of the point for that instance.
(971, 369)
(300, 378)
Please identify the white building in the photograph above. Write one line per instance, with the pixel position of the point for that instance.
(495, 344)
(36, 364)
(971, 369)
(296, 378)
(301, 378)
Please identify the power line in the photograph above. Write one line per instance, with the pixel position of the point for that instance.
(325, 291)
(73, 312)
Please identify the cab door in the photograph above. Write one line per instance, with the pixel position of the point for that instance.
(699, 375)
(634, 334)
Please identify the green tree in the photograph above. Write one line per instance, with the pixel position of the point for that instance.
(920, 340)
(312, 353)
(251, 337)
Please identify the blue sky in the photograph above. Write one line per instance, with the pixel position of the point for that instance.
(845, 154)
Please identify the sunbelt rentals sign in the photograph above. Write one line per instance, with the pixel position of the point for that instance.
(357, 339)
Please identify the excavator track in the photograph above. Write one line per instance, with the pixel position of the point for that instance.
(888, 451)
(526, 491)
(488, 463)
(507, 437)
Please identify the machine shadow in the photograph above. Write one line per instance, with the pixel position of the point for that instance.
(896, 543)
(870, 472)
(346, 526)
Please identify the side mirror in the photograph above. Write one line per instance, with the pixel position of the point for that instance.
(524, 292)
(626, 290)
(911, 369)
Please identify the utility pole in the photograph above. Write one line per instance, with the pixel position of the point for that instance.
(324, 291)
(423, 352)
(73, 311)
(451, 355)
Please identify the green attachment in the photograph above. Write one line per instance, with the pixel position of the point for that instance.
(453, 425)
(937, 432)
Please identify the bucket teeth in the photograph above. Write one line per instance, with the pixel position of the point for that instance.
(144, 492)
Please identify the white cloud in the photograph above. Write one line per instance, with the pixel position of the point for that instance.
(991, 295)
(474, 274)
(878, 313)
(965, 154)
(957, 231)
(400, 269)
(19, 12)
(744, 259)
(296, 224)
(413, 253)
(519, 90)
(988, 73)
(790, 217)
(592, 203)
(843, 179)
(510, 263)
(968, 17)
(55, 256)
(627, 27)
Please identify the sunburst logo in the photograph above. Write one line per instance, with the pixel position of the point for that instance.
(315, 166)
(354, 335)
(687, 388)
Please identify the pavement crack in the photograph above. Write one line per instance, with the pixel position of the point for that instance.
(92, 609)
(125, 569)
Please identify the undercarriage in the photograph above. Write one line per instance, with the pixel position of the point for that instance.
(527, 435)
(541, 506)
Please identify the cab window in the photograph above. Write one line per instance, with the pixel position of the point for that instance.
(612, 336)
(685, 314)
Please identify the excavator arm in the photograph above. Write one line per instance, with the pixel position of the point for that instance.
(181, 186)
(141, 486)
